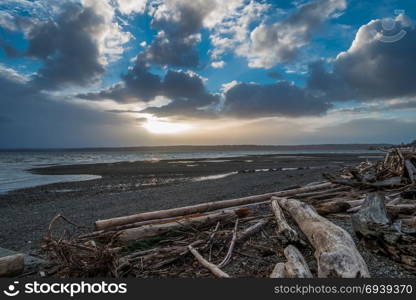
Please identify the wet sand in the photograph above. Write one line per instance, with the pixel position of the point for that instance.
(132, 187)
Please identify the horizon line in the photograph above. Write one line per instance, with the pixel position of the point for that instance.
(190, 145)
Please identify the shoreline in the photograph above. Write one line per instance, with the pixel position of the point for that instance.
(132, 187)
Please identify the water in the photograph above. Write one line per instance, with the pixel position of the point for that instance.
(14, 164)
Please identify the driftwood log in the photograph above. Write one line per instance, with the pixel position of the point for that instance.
(373, 226)
(332, 207)
(251, 230)
(204, 207)
(411, 170)
(11, 265)
(278, 271)
(210, 266)
(284, 231)
(296, 266)
(335, 250)
(146, 231)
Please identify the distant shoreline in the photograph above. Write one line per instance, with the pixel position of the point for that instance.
(244, 147)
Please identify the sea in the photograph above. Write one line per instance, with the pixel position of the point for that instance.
(14, 165)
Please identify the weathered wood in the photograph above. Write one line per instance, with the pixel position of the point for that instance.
(296, 266)
(286, 233)
(210, 266)
(411, 170)
(146, 231)
(386, 183)
(395, 210)
(373, 226)
(335, 250)
(332, 207)
(227, 257)
(323, 192)
(12, 265)
(411, 221)
(204, 207)
(278, 271)
(252, 230)
(373, 211)
(354, 203)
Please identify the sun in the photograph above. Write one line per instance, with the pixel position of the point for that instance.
(163, 127)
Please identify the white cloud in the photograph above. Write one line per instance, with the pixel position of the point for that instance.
(218, 64)
(128, 7)
(230, 24)
(279, 42)
(109, 36)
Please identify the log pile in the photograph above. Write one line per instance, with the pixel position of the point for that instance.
(397, 169)
(287, 233)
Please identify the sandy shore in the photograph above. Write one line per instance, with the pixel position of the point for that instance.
(131, 187)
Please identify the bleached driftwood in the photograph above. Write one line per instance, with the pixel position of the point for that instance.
(284, 231)
(296, 266)
(210, 266)
(11, 265)
(227, 257)
(278, 271)
(335, 250)
(146, 231)
(204, 207)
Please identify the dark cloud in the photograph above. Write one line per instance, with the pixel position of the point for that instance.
(139, 84)
(250, 100)
(185, 91)
(67, 46)
(30, 118)
(370, 69)
(380, 107)
(178, 24)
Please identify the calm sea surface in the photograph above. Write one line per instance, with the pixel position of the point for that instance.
(14, 164)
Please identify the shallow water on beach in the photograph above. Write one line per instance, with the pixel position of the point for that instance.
(14, 164)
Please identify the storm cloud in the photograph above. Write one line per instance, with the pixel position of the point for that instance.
(71, 45)
(370, 69)
(185, 91)
(31, 118)
(251, 100)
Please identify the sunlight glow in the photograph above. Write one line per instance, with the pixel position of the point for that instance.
(163, 127)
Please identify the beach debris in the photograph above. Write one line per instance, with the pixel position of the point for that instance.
(335, 250)
(210, 266)
(183, 223)
(375, 228)
(284, 231)
(278, 271)
(296, 266)
(397, 169)
(12, 265)
(71, 257)
(282, 234)
(204, 207)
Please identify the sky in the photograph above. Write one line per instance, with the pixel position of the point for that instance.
(109, 73)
